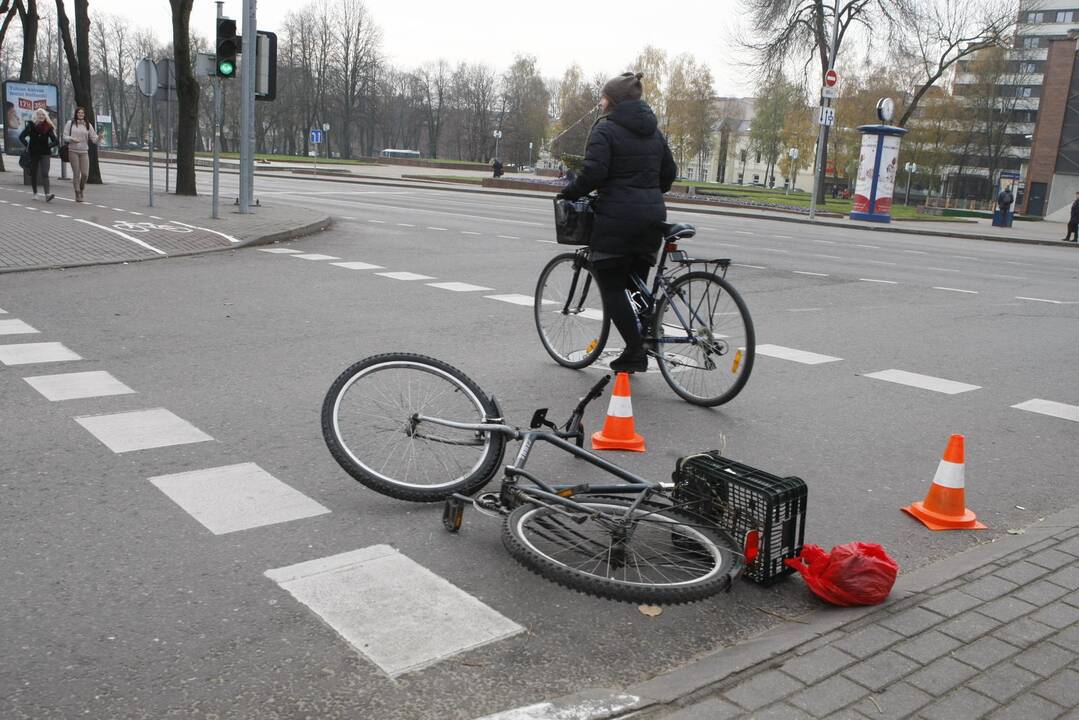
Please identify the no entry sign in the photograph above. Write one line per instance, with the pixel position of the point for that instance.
(831, 78)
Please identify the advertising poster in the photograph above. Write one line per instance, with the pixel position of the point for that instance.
(20, 102)
(864, 182)
(104, 131)
(889, 166)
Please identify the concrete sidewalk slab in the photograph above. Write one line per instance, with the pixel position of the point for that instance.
(114, 226)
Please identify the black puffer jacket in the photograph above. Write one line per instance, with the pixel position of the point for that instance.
(39, 143)
(628, 161)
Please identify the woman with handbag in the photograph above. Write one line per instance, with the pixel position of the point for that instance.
(39, 137)
(78, 135)
(629, 163)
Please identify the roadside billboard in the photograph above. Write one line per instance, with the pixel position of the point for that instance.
(20, 102)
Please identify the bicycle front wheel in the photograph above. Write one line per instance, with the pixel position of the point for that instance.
(572, 324)
(704, 338)
(603, 547)
(369, 422)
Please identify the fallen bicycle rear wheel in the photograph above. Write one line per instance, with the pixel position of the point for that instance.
(369, 422)
(650, 554)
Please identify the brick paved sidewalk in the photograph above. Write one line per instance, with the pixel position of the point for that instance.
(116, 224)
(992, 632)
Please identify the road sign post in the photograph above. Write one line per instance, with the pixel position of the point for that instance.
(146, 78)
(316, 140)
(247, 107)
(831, 77)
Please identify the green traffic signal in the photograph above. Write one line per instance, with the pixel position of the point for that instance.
(226, 68)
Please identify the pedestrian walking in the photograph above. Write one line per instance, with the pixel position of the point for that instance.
(1073, 222)
(78, 135)
(496, 167)
(39, 137)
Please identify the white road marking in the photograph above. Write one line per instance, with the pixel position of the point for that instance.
(799, 356)
(155, 217)
(942, 269)
(733, 245)
(236, 497)
(755, 267)
(28, 353)
(379, 222)
(784, 237)
(515, 299)
(215, 232)
(925, 382)
(347, 217)
(806, 272)
(119, 209)
(357, 266)
(830, 257)
(587, 709)
(74, 386)
(963, 257)
(871, 247)
(405, 225)
(3, 311)
(742, 232)
(63, 216)
(1054, 302)
(883, 282)
(16, 327)
(47, 212)
(773, 250)
(549, 242)
(392, 610)
(825, 242)
(509, 237)
(972, 292)
(405, 276)
(432, 227)
(881, 262)
(1008, 277)
(458, 286)
(469, 232)
(135, 213)
(141, 430)
(1013, 262)
(280, 251)
(123, 235)
(314, 256)
(916, 252)
(803, 309)
(1048, 407)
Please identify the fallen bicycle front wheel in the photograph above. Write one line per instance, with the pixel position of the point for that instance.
(603, 546)
(371, 426)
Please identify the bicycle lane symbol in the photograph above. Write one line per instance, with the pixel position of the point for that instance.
(143, 227)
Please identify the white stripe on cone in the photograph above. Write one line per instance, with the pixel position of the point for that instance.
(620, 406)
(949, 475)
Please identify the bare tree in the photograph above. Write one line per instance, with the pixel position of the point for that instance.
(356, 41)
(939, 33)
(78, 61)
(434, 81)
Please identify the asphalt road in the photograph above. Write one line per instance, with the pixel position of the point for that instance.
(118, 603)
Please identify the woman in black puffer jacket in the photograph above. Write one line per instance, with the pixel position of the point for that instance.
(628, 161)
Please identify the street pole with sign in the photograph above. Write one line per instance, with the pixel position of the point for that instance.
(146, 78)
(793, 155)
(247, 108)
(498, 136)
(60, 96)
(830, 80)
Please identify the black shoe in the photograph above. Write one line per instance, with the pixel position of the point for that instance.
(630, 361)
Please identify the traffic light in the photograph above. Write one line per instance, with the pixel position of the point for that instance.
(228, 46)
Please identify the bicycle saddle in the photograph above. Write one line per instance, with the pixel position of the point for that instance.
(674, 231)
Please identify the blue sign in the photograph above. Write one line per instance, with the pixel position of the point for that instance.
(316, 137)
(1009, 174)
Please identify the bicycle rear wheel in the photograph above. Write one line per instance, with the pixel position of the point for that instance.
(705, 339)
(369, 423)
(572, 324)
(602, 547)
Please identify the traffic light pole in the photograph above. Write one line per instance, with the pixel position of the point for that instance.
(216, 134)
(247, 107)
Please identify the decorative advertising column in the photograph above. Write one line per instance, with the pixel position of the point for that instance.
(877, 167)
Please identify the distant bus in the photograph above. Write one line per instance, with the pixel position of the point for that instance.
(394, 153)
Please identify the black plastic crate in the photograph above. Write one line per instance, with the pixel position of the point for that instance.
(740, 499)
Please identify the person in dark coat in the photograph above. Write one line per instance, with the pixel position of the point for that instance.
(1073, 222)
(496, 167)
(627, 160)
(39, 137)
(1005, 200)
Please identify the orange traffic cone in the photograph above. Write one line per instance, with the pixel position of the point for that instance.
(944, 507)
(618, 432)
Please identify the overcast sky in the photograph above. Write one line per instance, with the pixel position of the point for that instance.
(603, 36)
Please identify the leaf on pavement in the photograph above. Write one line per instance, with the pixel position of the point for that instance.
(650, 610)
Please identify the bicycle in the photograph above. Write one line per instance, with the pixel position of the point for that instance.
(416, 428)
(694, 323)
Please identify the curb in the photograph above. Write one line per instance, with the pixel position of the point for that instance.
(712, 670)
(311, 228)
(429, 185)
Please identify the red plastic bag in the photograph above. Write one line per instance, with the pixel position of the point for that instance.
(856, 573)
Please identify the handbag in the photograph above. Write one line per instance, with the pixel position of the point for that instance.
(24, 159)
(63, 153)
(573, 221)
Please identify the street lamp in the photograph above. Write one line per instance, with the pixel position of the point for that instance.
(498, 136)
(910, 168)
(529, 153)
(793, 155)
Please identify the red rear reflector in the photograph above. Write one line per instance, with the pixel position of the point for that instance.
(672, 246)
(752, 546)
